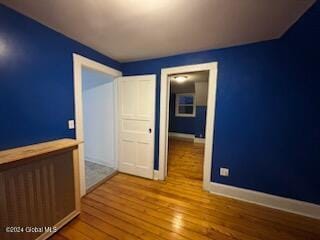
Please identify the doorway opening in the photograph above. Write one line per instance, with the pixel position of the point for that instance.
(187, 106)
(187, 123)
(98, 125)
(96, 121)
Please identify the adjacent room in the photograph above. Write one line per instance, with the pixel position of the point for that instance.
(187, 124)
(159, 120)
(98, 126)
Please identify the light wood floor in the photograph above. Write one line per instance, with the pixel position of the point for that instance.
(128, 207)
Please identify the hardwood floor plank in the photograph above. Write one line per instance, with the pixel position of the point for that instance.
(71, 233)
(57, 236)
(217, 221)
(154, 228)
(104, 226)
(171, 222)
(214, 202)
(194, 217)
(119, 223)
(170, 215)
(90, 231)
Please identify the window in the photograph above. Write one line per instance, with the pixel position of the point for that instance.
(185, 105)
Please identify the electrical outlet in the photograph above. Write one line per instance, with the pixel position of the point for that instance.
(224, 172)
(71, 124)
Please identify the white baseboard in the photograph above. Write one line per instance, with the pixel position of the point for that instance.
(155, 175)
(199, 140)
(181, 135)
(268, 200)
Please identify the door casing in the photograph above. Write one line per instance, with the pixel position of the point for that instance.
(212, 67)
(78, 63)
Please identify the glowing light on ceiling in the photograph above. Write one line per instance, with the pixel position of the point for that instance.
(180, 79)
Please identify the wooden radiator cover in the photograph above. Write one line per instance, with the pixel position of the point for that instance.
(36, 194)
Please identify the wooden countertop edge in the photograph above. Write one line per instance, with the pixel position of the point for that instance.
(20, 153)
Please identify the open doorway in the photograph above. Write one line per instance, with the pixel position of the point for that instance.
(187, 123)
(166, 75)
(98, 124)
(128, 127)
(96, 121)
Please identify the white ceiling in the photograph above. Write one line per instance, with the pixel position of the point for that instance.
(129, 30)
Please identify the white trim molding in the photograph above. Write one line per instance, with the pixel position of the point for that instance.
(199, 140)
(268, 200)
(155, 175)
(181, 135)
(212, 67)
(78, 63)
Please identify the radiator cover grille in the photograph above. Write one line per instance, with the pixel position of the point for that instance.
(38, 193)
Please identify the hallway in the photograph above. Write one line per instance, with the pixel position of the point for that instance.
(128, 207)
(185, 159)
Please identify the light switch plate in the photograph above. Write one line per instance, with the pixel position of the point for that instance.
(224, 172)
(71, 124)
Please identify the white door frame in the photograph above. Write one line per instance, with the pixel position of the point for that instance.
(212, 67)
(78, 63)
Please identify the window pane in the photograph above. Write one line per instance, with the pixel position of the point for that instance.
(186, 109)
(186, 100)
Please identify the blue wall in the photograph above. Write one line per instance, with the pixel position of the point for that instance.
(267, 125)
(36, 80)
(190, 125)
(200, 122)
(179, 124)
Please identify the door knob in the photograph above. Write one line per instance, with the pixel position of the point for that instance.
(150, 130)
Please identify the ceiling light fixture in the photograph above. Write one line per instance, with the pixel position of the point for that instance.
(180, 79)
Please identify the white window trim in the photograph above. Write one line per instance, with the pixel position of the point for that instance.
(177, 114)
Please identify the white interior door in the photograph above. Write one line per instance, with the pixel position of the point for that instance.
(136, 104)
